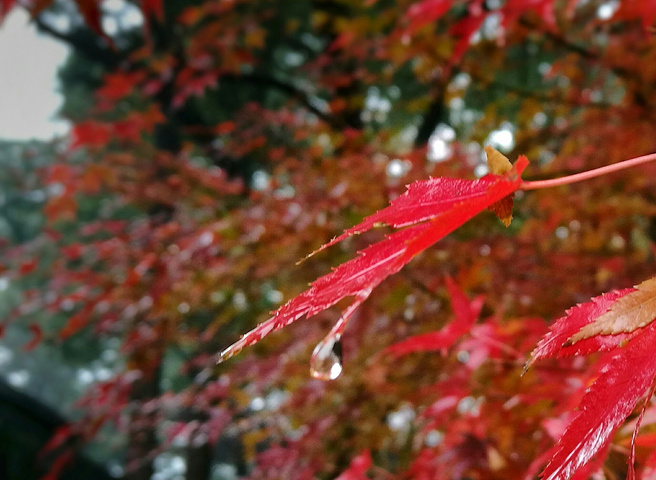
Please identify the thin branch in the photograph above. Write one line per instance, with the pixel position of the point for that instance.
(577, 48)
(309, 101)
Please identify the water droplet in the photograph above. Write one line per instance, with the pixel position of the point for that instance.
(326, 361)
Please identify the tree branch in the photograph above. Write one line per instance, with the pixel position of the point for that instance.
(310, 102)
(82, 40)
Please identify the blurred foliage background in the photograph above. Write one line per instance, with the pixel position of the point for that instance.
(215, 143)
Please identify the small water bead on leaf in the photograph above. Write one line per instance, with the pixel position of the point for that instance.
(326, 360)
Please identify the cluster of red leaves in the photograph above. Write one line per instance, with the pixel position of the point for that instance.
(90, 11)
(447, 204)
(153, 279)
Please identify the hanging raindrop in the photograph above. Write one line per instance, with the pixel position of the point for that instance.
(326, 360)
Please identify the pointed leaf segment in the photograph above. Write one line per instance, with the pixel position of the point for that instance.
(605, 323)
(612, 397)
(466, 313)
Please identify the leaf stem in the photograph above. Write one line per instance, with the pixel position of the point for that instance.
(555, 182)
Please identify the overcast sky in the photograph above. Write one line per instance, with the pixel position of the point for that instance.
(28, 82)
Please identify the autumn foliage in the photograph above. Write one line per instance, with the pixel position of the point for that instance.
(481, 320)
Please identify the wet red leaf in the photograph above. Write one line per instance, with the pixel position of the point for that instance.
(610, 399)
(554, 343)
(447, 203)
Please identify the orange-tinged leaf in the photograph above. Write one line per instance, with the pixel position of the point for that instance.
(555, 343)
(631, 312)
(644, 440)
(74, 325)
(90, 134)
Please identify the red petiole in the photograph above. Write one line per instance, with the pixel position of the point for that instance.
(597, 172)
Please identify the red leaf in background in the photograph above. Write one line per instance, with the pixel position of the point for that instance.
(37, 336)
(466, 313)
(357, 470)
(73, 251)
(117, 85)
(428, 11)
(61, 435)
(62, 207)
(74, 325)
(464, 30)
(193, 83)
(649, 472)
(58, 465)
(342, 41)
(224, 128)
(513, 9)
(447, 202)
(60, 173)
(153, 8)
(90, 134)
(28, 266)
(5, 7)
(645, 10)
(610, 399)
(90, 11)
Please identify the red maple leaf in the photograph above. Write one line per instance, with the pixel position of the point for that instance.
(466, 312)
(357, 470)
(611, 398)
(442, 204)
(554, 343)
